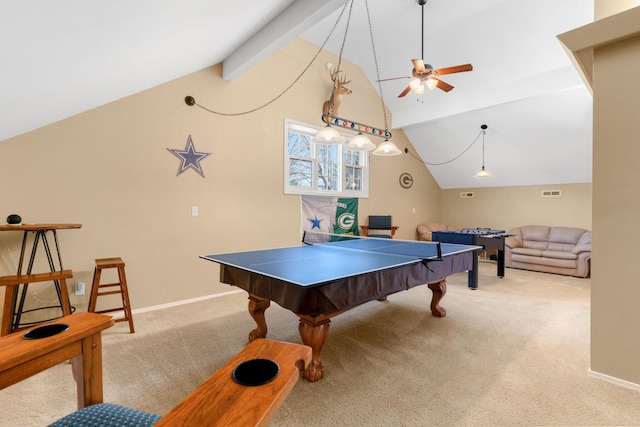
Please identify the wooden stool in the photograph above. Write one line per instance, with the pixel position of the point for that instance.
(118, 263)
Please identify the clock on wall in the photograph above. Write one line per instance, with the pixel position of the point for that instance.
(406, 180)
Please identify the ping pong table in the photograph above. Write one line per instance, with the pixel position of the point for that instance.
(331, 274)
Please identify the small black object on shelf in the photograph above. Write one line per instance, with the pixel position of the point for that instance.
(14, 219)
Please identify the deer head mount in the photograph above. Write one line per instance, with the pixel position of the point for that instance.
(339, 88)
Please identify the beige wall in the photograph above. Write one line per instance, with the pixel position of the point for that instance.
(604, 8)
(110, 170)
(502, 208)
(615, 349)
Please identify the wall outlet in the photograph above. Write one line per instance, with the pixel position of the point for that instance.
(80, 288)
(194, 211)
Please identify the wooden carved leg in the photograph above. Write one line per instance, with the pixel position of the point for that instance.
(314, 332)
(257, 307)
(439, 289)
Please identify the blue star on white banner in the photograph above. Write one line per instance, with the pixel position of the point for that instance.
(190, 158)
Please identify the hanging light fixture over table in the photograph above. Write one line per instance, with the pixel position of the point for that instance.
(359, 142)
(483, 172)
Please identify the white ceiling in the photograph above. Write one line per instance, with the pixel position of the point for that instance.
(61, 57)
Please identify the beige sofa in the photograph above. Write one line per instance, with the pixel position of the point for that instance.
(424, 230)
(559, 250)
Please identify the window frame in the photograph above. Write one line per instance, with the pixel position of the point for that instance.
(310, 130)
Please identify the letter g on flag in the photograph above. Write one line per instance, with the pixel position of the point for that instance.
(346, 220)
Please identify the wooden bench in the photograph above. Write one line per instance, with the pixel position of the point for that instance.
(219, 401)
(11, 292)
(81, 343)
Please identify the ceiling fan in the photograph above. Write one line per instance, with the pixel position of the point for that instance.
(425, 74)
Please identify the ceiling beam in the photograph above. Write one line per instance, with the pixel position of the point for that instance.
(289, 24)
(581, 42)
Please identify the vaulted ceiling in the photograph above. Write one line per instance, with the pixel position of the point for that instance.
(61, 57)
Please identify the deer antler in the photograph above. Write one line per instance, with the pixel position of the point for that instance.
(339, 88)
(338, 78)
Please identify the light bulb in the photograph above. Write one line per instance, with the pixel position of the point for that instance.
(387, 148)
(361, 142)
(328, 135)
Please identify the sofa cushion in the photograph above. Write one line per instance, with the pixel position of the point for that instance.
(535, 236)
(584, 244)
(527, 251)
(564, 238)
(538, 260)
(559, 255)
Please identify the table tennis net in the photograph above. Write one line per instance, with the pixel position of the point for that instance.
(419, 249)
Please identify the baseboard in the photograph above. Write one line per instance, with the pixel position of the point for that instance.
(614, 380)
(120, 314)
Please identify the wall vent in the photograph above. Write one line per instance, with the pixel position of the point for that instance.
(466, 195)
(551, 193)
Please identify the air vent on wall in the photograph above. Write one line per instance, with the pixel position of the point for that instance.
(466, 195)
(551, 193)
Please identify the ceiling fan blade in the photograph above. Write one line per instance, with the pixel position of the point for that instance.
(405, 91)
(443, 85)
(418, 64)
(456, 69)
(394, 78)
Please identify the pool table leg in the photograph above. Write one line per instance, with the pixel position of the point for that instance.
(438, 288)
(314, 332)
(257, 307)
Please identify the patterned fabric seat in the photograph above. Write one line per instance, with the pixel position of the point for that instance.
(107, 415)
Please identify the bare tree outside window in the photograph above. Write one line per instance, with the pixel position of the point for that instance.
(312, 168)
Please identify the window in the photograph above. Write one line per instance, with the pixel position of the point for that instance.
(322, 169)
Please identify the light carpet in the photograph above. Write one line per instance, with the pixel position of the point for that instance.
(515, 352)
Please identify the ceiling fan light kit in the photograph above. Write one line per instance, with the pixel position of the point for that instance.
(425, 73)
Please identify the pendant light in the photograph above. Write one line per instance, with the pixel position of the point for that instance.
(483, 173)
(361, 142)
(328, 135)
(387, 148)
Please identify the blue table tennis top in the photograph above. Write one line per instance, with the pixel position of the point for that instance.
(311, 265)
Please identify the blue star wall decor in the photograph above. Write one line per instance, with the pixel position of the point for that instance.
(190, 158)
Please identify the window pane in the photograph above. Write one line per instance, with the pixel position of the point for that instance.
(353, 158)
(327, 182)
(353, 179)
(328, 167)
(299, 145)
(300, 173)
